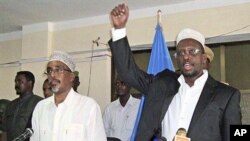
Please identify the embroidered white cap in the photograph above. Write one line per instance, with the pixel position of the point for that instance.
(63, 57)
(188, 33)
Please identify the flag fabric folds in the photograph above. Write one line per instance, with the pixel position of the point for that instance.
(159, 60)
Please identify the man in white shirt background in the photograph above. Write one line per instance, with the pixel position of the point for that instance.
(120, 115)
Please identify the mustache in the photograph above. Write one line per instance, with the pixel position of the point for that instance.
(51, 80)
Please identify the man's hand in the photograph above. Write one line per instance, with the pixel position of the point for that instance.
(119, 16)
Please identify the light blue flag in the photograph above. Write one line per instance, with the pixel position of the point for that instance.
(159, 60)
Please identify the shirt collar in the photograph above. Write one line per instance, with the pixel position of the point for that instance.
(69, 97)
(67, 101)
(201, 80)
(25, 97)
(129, 102)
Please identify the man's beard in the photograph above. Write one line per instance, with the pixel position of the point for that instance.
(55, 89)
(190, 75)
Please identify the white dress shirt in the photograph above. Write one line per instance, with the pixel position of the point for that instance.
(181, 109)
(77, 118)
(118, 120)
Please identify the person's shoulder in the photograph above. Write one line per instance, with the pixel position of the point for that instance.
(33, 100)
(85, 99)
(136, 100)
(167, 74)
(113, 103)
(111, 106)
(226, 87)
(223, 90)
(13, 103)
(37, 98)
(44, 101)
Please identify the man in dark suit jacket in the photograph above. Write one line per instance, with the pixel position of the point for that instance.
(194, 100)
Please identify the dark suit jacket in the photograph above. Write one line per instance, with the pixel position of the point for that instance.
(218, 106)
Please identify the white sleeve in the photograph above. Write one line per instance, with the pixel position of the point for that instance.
(107, 121)
(118, 34)
(96, 130)
(35, 124)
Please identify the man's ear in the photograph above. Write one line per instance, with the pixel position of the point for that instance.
(72, 77)
(30, 83)
(204, 58)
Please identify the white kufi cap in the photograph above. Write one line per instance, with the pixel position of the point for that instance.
(63, 57)
(190, 34)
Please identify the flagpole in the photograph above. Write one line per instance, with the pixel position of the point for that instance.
(157, 57)
(159, 16)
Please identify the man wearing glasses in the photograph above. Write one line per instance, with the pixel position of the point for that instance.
(67, 115)
(193, 100)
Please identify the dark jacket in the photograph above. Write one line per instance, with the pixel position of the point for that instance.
(218, 106)
(18, 115)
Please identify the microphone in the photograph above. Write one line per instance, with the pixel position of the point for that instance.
(157, 135)
(25, 135)
(160, 139)
(96, 41)
(181, 135)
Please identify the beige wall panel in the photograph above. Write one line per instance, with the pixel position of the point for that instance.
(10, 51)
(36, 44)
(141, 31)
(100, 80)
(80, 39)
(210, 22)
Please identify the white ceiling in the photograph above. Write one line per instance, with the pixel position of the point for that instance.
(16, 13)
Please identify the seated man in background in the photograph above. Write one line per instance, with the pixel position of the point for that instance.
(120, 115)
(19, 111)
(47, 92)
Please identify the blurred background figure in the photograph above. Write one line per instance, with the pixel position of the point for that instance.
(3, 105)
(47, 92)
(120, 115)
(18, 114)
(76, 81)
(210, 57)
